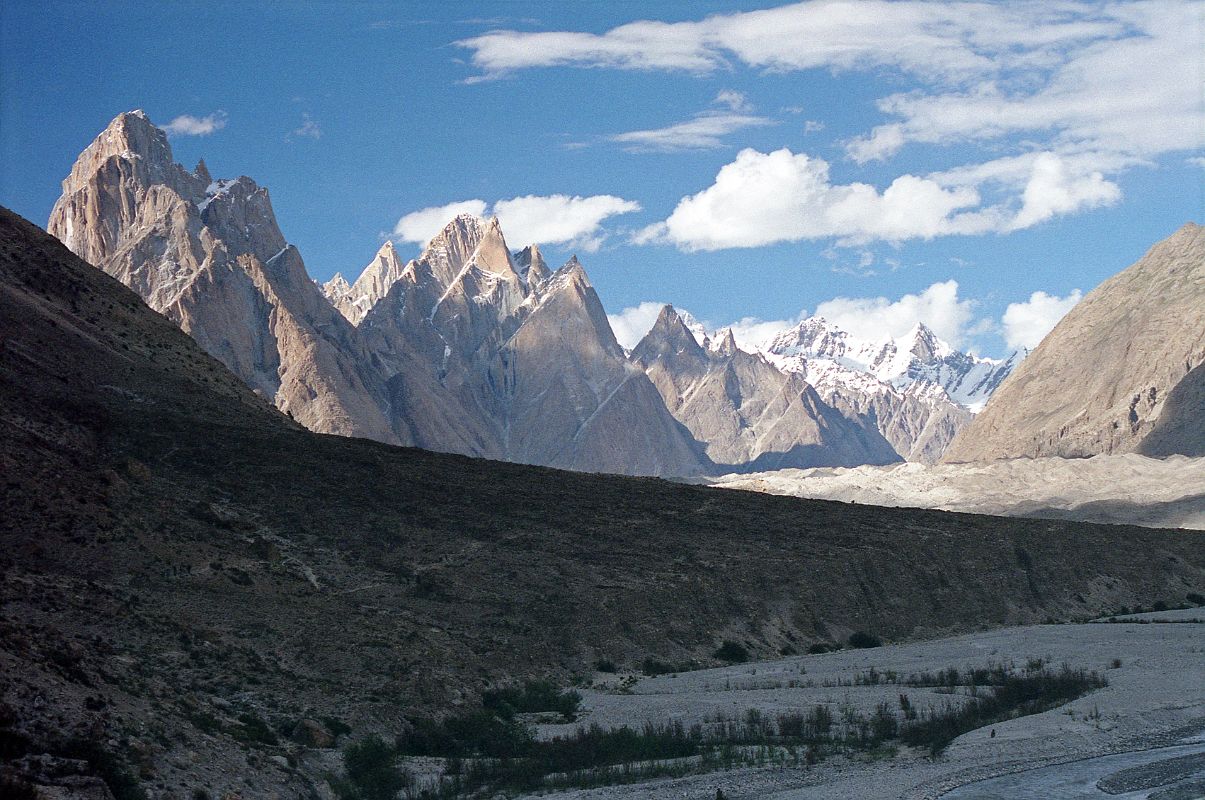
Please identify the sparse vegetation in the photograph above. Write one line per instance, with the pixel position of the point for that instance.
(732, 652)
(1011, 695)
(532, 697)
(486, 752)
(371, 771)
(863, 640)
(823, 647)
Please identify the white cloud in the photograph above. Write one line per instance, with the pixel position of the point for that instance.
(1112, 95)
(764, 198)
(188, 125)
(308, 128)
(1089, 83)
(734, 100)
(703, 132)
(1025, 324)
(421, 226)
(632, 323)
(752, 332)
(882, 143)
(532, 219)
(874, 318)
(1051, 190)
(559, 219)
(938, 41)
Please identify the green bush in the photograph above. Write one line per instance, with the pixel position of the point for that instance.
(862, 640)
(532, 697)
(732, 652)
(370, 768)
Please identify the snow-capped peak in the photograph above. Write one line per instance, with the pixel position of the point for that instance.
(826, 353)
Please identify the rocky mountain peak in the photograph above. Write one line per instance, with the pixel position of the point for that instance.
(531, 266)
(131, 137)
(491, 253)
(669, 337)
(814, 336)
(725, 344)
(202, 172)
(1122, 365)
(336, 287)
(922, 343)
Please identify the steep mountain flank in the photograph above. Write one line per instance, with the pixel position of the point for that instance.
(417, 353)
(189, 576)
(1103, 380)
(529, 357)
(209, 256)
(751, 415)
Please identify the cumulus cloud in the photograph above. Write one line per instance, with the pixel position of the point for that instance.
(188, 125)
(421, 226)
(632, 323)
(560, 219)
(1052, 190)
(766, 198)
(1026, 324)
(1088, 83)
(874, 318)
(751, 333)
(532, 219)
(882, 143)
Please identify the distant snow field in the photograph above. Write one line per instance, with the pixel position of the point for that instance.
(1130, 489)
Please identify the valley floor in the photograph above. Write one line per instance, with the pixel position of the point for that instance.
(1125, 489)
(1155, 699)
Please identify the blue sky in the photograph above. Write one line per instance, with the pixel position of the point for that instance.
(912, 160)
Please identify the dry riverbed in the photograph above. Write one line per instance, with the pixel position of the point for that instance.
(1155, 698)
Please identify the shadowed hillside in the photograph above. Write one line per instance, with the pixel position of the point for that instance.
(187, 573)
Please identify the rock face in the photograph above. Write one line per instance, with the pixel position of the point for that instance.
(1122, 366)
(528, 356)
(473, 349)
(209, 255)
(751, 415)
(354, 300)
(917, 390)
(466, 349)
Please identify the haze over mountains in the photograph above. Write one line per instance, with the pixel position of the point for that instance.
(475, 349)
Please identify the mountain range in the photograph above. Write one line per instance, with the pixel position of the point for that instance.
(476, 349)
(199, 595)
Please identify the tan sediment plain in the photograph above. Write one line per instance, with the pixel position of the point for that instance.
(1155, 698)
(1127, 488)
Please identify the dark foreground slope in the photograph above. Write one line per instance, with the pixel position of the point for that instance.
(186, 573)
